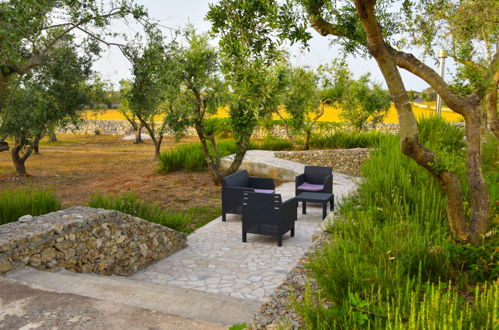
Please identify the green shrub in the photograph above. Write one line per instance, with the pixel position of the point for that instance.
(271, 143)
(131, 204)
(392, 264)
(16, 202)
(190, 156)
(347, 140)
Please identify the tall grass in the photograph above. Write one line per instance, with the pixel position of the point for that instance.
(392, 264)
(347, 140)
(16, 202)
(190, 157)
(185, 221)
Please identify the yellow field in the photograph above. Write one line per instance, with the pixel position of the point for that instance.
(331, 114)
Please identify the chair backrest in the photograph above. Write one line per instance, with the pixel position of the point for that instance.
(238, 179)
(258, 207)
(316, 174)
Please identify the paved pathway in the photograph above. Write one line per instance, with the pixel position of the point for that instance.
(217, 261)
(216, 269)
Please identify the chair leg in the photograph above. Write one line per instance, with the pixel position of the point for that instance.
(304, 207)
(331, 204)
(293, 232)
(224, 216)
(279, 240)
(244, 236)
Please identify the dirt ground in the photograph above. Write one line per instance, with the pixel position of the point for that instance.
(75, 167)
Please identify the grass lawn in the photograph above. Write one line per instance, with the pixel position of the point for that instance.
(78, 166)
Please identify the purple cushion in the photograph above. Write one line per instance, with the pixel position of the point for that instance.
(264, 191)
(311, 187)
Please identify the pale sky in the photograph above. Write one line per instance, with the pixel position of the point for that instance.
(177, 14)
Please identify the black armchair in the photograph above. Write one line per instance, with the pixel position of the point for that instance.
(315, 179)
(233, 187)
(265, 214)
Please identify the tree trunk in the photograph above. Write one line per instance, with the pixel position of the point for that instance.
(4, 146)
(242, 147)
(138, 134)
(410, 145)
(286, 129)
(52, 137)
(307, 139)
(492, 106)
(212, 165)
(36, 144)
(479, 195)
(18, 160)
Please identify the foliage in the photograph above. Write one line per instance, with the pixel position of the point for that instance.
(347, 140)
(360, 100)
(52, 95)
(31, 29)
(190, 156)
(301, 99)
(16, 202)
(155, 89)
(185, 221)
(238, 326)
(392, 264)
(271, 143)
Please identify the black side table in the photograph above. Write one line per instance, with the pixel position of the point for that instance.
(312, 197)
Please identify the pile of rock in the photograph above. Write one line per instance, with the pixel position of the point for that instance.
(84, 239)
(347, 161)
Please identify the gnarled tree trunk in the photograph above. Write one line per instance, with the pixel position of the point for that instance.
(18, 158)
(410, 145)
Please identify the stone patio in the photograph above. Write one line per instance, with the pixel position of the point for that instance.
(217, 261)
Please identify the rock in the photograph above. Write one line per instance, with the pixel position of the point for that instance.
(88, 240)
(5, 266)
(48, 254)
(26, 218)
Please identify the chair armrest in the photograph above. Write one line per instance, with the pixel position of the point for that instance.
(261, 183)
(299, 179)
(328, 184)
(288, 210)
(233, 195)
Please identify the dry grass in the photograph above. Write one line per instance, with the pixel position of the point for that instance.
(79, 166)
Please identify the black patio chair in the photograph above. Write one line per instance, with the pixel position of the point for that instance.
(233, 187)
(315, 179)
(265, 214)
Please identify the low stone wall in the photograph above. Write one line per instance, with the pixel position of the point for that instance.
(88, 240)
(347, 161)
(123, 127)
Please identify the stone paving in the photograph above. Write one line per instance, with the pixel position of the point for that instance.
(217, 261)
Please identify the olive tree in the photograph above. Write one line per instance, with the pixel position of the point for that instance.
(51, 95)
(301, 99)
(209, 81)
(124, 109)
(155, 86)
(360, 100)
(31, 28)
(375, 28)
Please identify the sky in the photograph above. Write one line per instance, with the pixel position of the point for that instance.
(177, 14)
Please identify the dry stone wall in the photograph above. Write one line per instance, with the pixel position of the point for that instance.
(347, 161)
(123, 127)
(88, 240)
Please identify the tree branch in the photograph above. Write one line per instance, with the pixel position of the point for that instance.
(410, 63)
